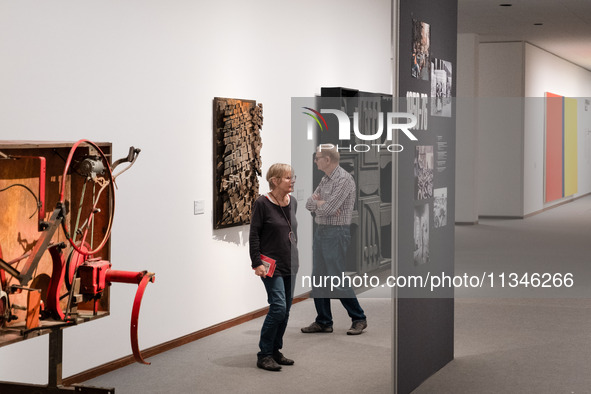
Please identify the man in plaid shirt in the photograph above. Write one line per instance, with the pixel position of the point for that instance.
(332, 204)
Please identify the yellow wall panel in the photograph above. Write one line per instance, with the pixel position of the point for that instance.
(570, 147)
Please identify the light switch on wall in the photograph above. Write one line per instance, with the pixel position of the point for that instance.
(199, 207)
(300, 194)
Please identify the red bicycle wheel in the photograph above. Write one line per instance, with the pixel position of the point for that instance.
(88, 179)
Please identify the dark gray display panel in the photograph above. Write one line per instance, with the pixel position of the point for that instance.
(426, 187)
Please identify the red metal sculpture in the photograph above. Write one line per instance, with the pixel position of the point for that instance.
(85, 276)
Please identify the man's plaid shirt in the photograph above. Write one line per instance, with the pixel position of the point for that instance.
(338, 192)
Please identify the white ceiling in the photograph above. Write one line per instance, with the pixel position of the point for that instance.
(566, 29)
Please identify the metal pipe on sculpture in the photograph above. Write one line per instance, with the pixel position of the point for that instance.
(96, 275)
(141, 279)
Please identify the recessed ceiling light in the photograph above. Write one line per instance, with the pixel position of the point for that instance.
(505, 5)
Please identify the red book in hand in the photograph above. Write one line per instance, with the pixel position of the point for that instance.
(269, 264)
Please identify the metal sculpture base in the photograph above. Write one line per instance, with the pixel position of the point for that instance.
(54, 385)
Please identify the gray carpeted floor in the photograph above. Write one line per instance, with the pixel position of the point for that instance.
(523, 345)
(226, 362)
(502, 345)
(518, 346)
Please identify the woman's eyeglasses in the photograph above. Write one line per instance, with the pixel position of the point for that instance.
(289, 178)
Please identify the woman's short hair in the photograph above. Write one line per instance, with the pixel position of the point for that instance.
(330, 151)
(277, 170)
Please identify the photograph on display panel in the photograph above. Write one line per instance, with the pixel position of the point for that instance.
(423, 164)
(421, 42)
(421, 234)
(441, 83)
(440, 207)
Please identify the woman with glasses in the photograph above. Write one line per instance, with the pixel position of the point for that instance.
(273, 230)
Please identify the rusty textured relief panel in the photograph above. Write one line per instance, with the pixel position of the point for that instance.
(237, 160)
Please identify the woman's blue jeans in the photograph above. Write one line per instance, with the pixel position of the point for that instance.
(279, 295)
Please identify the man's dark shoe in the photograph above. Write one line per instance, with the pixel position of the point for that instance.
(268, 363)
(357, 327)
(281, 359)
(316, 327)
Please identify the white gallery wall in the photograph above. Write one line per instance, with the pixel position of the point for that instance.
(546, 72)
(467, 129)
(144, 73)
(500, 129)
(513, 78)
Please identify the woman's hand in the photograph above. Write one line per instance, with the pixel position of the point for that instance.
(260, 271)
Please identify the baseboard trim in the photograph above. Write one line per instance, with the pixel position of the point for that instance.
(556, 205)
(163, 347)
(529, 214)
(500, 217)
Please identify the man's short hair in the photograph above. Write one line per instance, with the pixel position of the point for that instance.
(330, 151)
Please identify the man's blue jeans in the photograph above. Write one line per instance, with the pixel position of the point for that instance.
(279, 295)
(329, 254)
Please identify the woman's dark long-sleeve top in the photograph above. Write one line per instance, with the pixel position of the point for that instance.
(269, 235)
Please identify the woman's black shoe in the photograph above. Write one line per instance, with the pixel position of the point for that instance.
(268, 363)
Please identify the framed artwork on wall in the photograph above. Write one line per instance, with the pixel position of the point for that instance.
(237, 160)
(561, 157)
